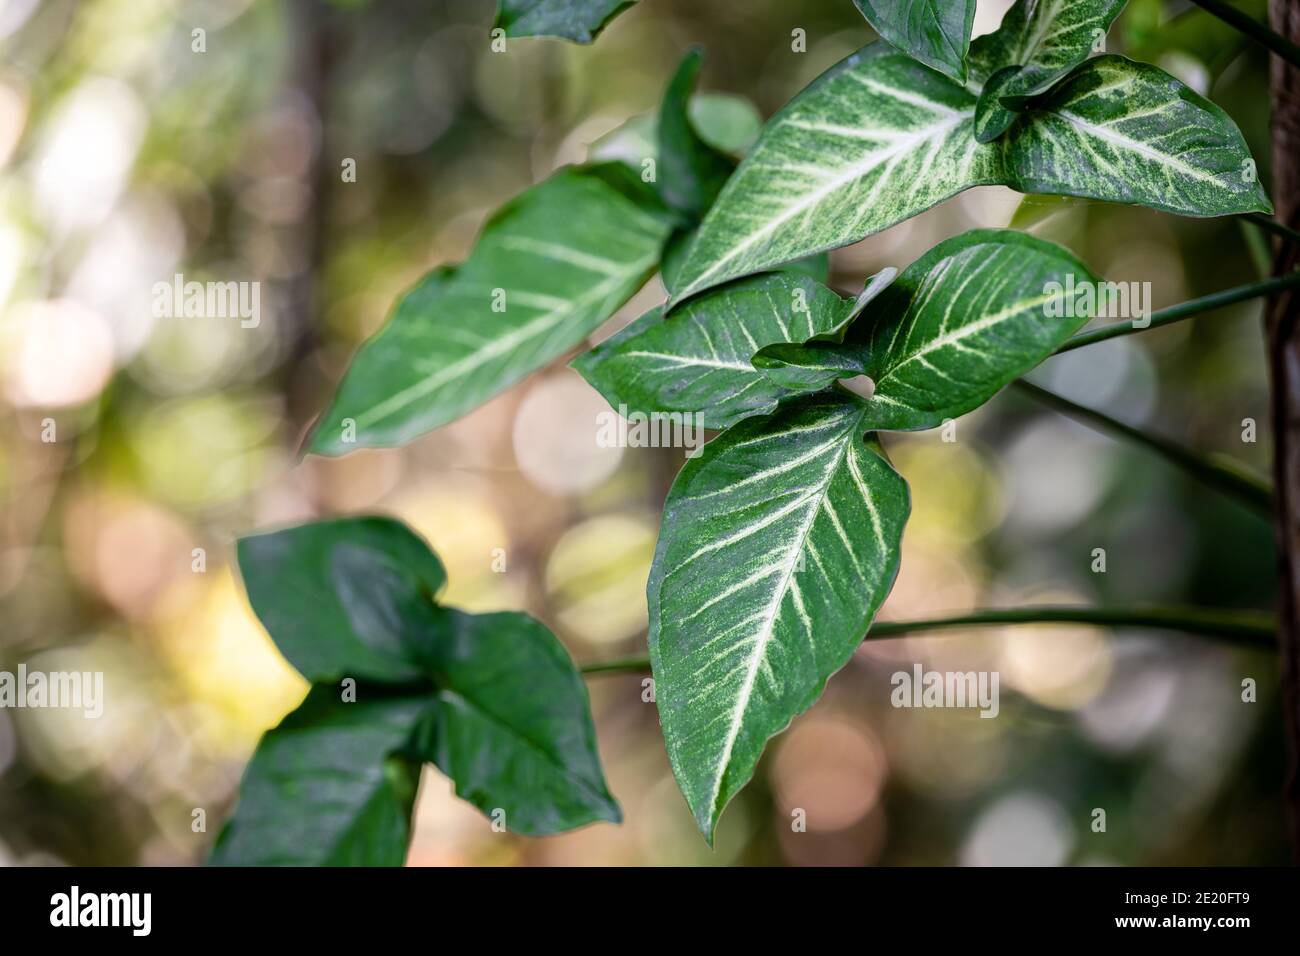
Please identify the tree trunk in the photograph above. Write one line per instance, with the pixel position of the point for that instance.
(1283, 329)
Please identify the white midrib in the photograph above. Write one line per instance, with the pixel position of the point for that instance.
(855, 171)
(1142, 149)
(765, 634)
(538, 326)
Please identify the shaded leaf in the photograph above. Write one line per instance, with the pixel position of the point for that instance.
(342, 598)
(512, 726)
(691, 172)
(577, 20)
(935, 32)
(328, 787)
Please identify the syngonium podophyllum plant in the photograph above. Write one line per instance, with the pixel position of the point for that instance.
(781, 538)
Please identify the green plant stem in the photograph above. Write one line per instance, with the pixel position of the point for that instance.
(1231, 478)
(1252, 28)
(1249, 628)
(1185, 310)
(1269, 224)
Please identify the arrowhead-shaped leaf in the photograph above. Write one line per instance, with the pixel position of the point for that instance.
(961, 322)
(512, 726)
(779, 543)
(492, 699)
(935, 32)
(1038, 42)
(548, 268)
(871, 142)
(697, 361)
(878, 139)
(691, 172)
(577, 20)
(343, 598)
(1130, 133)
(328, 787)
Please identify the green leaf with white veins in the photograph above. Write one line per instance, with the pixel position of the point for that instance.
(961, 322)
(873, 141)
(577, 20)
(698, 359)
(936, 32)
(878, 139)
(1038, 42)
(549, 267)
(1130, 133)
(779, 542)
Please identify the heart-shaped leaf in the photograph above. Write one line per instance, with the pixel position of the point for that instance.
(492, 699)
(778, 544)
(548, 268)
(935, 32)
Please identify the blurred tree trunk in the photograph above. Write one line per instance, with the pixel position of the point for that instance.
(1283, 328)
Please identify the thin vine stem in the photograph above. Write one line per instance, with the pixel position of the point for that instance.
(1229, 477)
(1252, 28)
(1249, 628)
(1269, 224)
(1184, 310)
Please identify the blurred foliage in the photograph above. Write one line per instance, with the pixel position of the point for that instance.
(127, 156)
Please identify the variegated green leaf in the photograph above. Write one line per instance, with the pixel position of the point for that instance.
(1130, 133)
(878, 138)
(935, 32)
(577, 20)
(698, 360)
(873, 141)
(1038, 42)
(779, 542)
(548, 268)
(961, 322)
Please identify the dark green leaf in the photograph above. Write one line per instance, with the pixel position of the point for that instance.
(691, 172)
(577, 20)
(342, 598)
(329, 786)
(512, 726)
(935, 32)
(807, 368)
(549, 267)
(779, 542)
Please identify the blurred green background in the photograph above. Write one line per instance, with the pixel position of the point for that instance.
(127, 157)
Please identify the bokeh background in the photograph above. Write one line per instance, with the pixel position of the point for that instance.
(127, 157)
